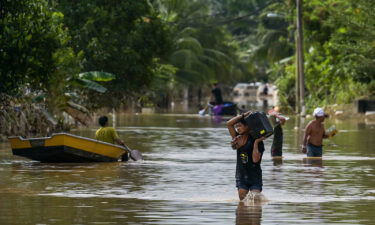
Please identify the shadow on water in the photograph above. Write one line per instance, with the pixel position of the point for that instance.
(249, 214)
(310, 161)
(277, 161)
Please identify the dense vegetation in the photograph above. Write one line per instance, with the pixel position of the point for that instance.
(151, 50)
(339, 53)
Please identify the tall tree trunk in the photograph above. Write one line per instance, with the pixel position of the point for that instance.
(185, 99)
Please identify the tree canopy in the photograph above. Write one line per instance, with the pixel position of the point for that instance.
(154, 48)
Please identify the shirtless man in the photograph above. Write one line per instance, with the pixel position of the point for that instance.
(314, 134)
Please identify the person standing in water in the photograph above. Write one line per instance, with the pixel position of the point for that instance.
(249, 157)
(314, 134)
(216, 92)
(278, 139)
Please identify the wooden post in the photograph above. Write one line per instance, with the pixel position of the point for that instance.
(297, 108)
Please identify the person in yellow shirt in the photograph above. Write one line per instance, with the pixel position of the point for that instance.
(109, 134)
(106, 133)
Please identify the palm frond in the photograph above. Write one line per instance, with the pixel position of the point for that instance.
(183, 59)
(190, 43)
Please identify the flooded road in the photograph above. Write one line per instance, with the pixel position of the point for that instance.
(187, 177)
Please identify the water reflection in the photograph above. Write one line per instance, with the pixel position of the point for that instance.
(277, 161)
(217, 119)
(249, 214)
(313, 161)
(187, 177)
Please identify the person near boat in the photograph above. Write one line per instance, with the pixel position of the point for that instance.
(216, 93)
(217, 99)
(106, 133)
(249, 157)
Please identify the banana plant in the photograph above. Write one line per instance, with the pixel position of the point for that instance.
(89, 80)
(85, 80)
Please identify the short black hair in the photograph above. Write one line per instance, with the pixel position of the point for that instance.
(103, 120)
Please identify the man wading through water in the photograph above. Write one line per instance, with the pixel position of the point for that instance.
(249, 157)
(314, 134)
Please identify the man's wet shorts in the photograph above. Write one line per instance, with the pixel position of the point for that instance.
(244, 183)
(314, 151)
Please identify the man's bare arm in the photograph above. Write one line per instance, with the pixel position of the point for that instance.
(119, 141)
(233, 121)
(306, 136)
(256, 154)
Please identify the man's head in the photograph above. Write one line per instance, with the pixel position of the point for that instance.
(242, 127)
(103, 121)
(319, 114)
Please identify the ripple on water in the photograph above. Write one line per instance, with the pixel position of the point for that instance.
(187, 177)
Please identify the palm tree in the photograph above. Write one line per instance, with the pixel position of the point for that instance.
(201, 50)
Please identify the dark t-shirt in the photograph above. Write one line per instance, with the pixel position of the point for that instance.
(217, 94)
(246, 168)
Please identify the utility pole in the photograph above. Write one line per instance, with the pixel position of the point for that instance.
(300, 59)
(297, 108)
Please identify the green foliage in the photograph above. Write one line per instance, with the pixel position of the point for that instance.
(285, 79)
(34, 48)
(162, 88)
(97, 76)
(88, 80)
(119, 37)
(201, 51)
(339, 53)
(261, 30)
(91, 85)
(150, 50)
(339, 64)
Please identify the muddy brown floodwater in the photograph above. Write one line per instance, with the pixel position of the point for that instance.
(187, 177)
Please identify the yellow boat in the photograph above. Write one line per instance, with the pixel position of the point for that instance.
(64, 147)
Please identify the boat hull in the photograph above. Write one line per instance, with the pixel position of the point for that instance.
(225, 109)
(66, 148)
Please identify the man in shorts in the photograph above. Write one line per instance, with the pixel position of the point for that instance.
(249, 157)
(314, 134)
